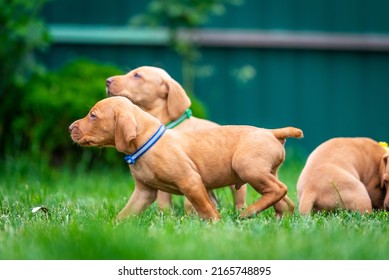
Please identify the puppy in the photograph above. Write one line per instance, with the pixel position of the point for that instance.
(154, 91)
(345, 173)
(187, 162)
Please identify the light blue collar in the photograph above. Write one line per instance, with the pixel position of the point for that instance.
(186, 115)
(130, 159)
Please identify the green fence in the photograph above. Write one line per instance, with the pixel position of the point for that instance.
(322, 66)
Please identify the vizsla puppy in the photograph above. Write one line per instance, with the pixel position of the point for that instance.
(186, 162)
(154, 91)
(345, 173)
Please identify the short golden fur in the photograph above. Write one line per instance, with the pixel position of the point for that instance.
(345, 173)
(154, 91)
(188, 162)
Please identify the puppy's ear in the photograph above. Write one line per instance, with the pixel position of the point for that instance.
(385, 170)
(177, 99)
(125, 130)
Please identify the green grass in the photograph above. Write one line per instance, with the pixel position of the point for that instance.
(82, 206)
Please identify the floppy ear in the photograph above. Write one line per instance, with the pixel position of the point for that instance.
(177, 99)
(125, 130)
(385, 170)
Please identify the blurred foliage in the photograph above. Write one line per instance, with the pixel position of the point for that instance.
(50, 102)
(187, 14)
(175, 14)
(22, 33)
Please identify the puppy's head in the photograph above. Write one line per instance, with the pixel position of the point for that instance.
(110, 123)
(152, 89)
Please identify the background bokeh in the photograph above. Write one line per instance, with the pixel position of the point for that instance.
(319, 65)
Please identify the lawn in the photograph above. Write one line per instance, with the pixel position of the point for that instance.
(82, 204)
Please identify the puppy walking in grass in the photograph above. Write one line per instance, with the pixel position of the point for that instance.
(187, 162)
(154, 91)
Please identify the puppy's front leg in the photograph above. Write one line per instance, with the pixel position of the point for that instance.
(189, 209)
(141, 198)
(200, 200)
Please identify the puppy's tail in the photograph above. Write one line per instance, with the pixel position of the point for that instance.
(287, 132)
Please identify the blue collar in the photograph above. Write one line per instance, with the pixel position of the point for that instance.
(130, 159)
(186, 115)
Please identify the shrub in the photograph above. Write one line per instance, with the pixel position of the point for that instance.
(50, 103)
(22, 34)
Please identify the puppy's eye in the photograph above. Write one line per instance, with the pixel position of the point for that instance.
(137, 75)
(92, 116)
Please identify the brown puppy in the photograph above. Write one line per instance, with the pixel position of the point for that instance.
(154, 91)
(345, 173)
(186, 162)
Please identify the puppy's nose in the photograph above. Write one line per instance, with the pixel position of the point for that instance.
(108, 82)
(71, 127)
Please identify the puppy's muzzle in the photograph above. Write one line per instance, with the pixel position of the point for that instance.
(75, 132)
(108, 84)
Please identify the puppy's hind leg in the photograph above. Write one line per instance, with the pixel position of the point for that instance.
(284, 206)
(239, 192)
(306, 202)
(272, 191)
(353, 196)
